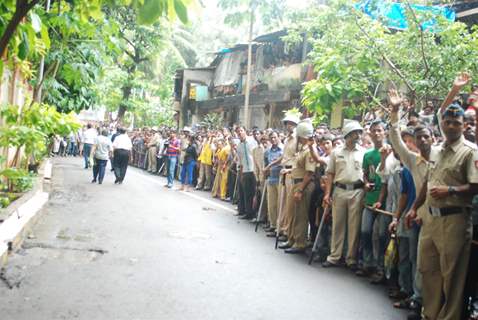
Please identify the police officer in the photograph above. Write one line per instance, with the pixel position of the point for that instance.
(445, 237)
(345, 173)
(302, 173)
(290, 148)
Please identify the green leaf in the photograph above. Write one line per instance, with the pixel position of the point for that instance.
(181, 11)
(36, 22)
(150, 11)
(45, 37)
(23, 49)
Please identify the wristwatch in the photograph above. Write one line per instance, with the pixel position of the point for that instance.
(452, 190)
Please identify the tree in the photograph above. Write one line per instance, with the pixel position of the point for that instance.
(12, 12)
(354, 55)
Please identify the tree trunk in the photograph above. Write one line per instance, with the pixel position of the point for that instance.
(21, 11)
(123, 106)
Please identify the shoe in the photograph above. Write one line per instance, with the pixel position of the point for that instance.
(116, 181)
(378, 278)
(100, 182)
(271, 234)
(363, 272)
(283, 238)
(244, 217)
(284, 245)
(237, 214)
(208, 189)
(93, 181)
(294, 250)
(415, 306)
(198, 188)
(328, 264)
(414, 315)
(353, 267)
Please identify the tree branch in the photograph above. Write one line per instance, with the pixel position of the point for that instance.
(385, 57)
(422, 41)
(22, 8)
(51, 69)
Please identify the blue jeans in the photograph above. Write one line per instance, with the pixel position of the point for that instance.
(99, 169)
(409, 279)
(368, 220)
(187, 171)
(172, 160)
(71, 148)
(86, 153)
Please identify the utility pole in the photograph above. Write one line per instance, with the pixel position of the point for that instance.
(42, 65)
(249, 66)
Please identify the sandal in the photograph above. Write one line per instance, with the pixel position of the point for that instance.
(402, 304)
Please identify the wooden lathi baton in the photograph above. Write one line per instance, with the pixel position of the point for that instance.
(387, 213)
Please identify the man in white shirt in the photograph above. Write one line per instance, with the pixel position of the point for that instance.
(121, 151)
(89, 139)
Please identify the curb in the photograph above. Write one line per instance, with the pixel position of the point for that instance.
(23, 214)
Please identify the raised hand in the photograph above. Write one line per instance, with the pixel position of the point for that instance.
(385, 151)
(395, 99)
(461, 80)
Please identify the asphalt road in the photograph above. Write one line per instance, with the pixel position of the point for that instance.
(141, 251)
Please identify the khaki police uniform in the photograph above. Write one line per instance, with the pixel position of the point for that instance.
(152, 151)
(285, 188)
(297, 231)
(445, 237)
(346, 165)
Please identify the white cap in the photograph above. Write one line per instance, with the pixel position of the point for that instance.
(350, 127)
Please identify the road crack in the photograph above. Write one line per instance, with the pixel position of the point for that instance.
(32, 245)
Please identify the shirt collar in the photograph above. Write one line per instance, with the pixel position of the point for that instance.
(454, 146)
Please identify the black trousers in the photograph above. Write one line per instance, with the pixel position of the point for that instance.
(231, 183)
(121, 157)
(247, 190)
(471, 285)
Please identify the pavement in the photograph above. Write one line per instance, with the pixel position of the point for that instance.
(142, 251)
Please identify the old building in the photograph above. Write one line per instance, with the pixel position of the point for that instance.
(276, 80)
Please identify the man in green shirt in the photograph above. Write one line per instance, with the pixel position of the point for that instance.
(374, 197)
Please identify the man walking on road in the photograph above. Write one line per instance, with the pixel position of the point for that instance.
(89, 140)
(102, 151)
(121, 151)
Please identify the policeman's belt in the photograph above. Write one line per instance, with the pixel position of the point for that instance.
(297, 180)
(288, 167)
(443, 212)
(350, 186)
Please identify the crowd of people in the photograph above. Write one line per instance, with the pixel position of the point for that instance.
(391, 199)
